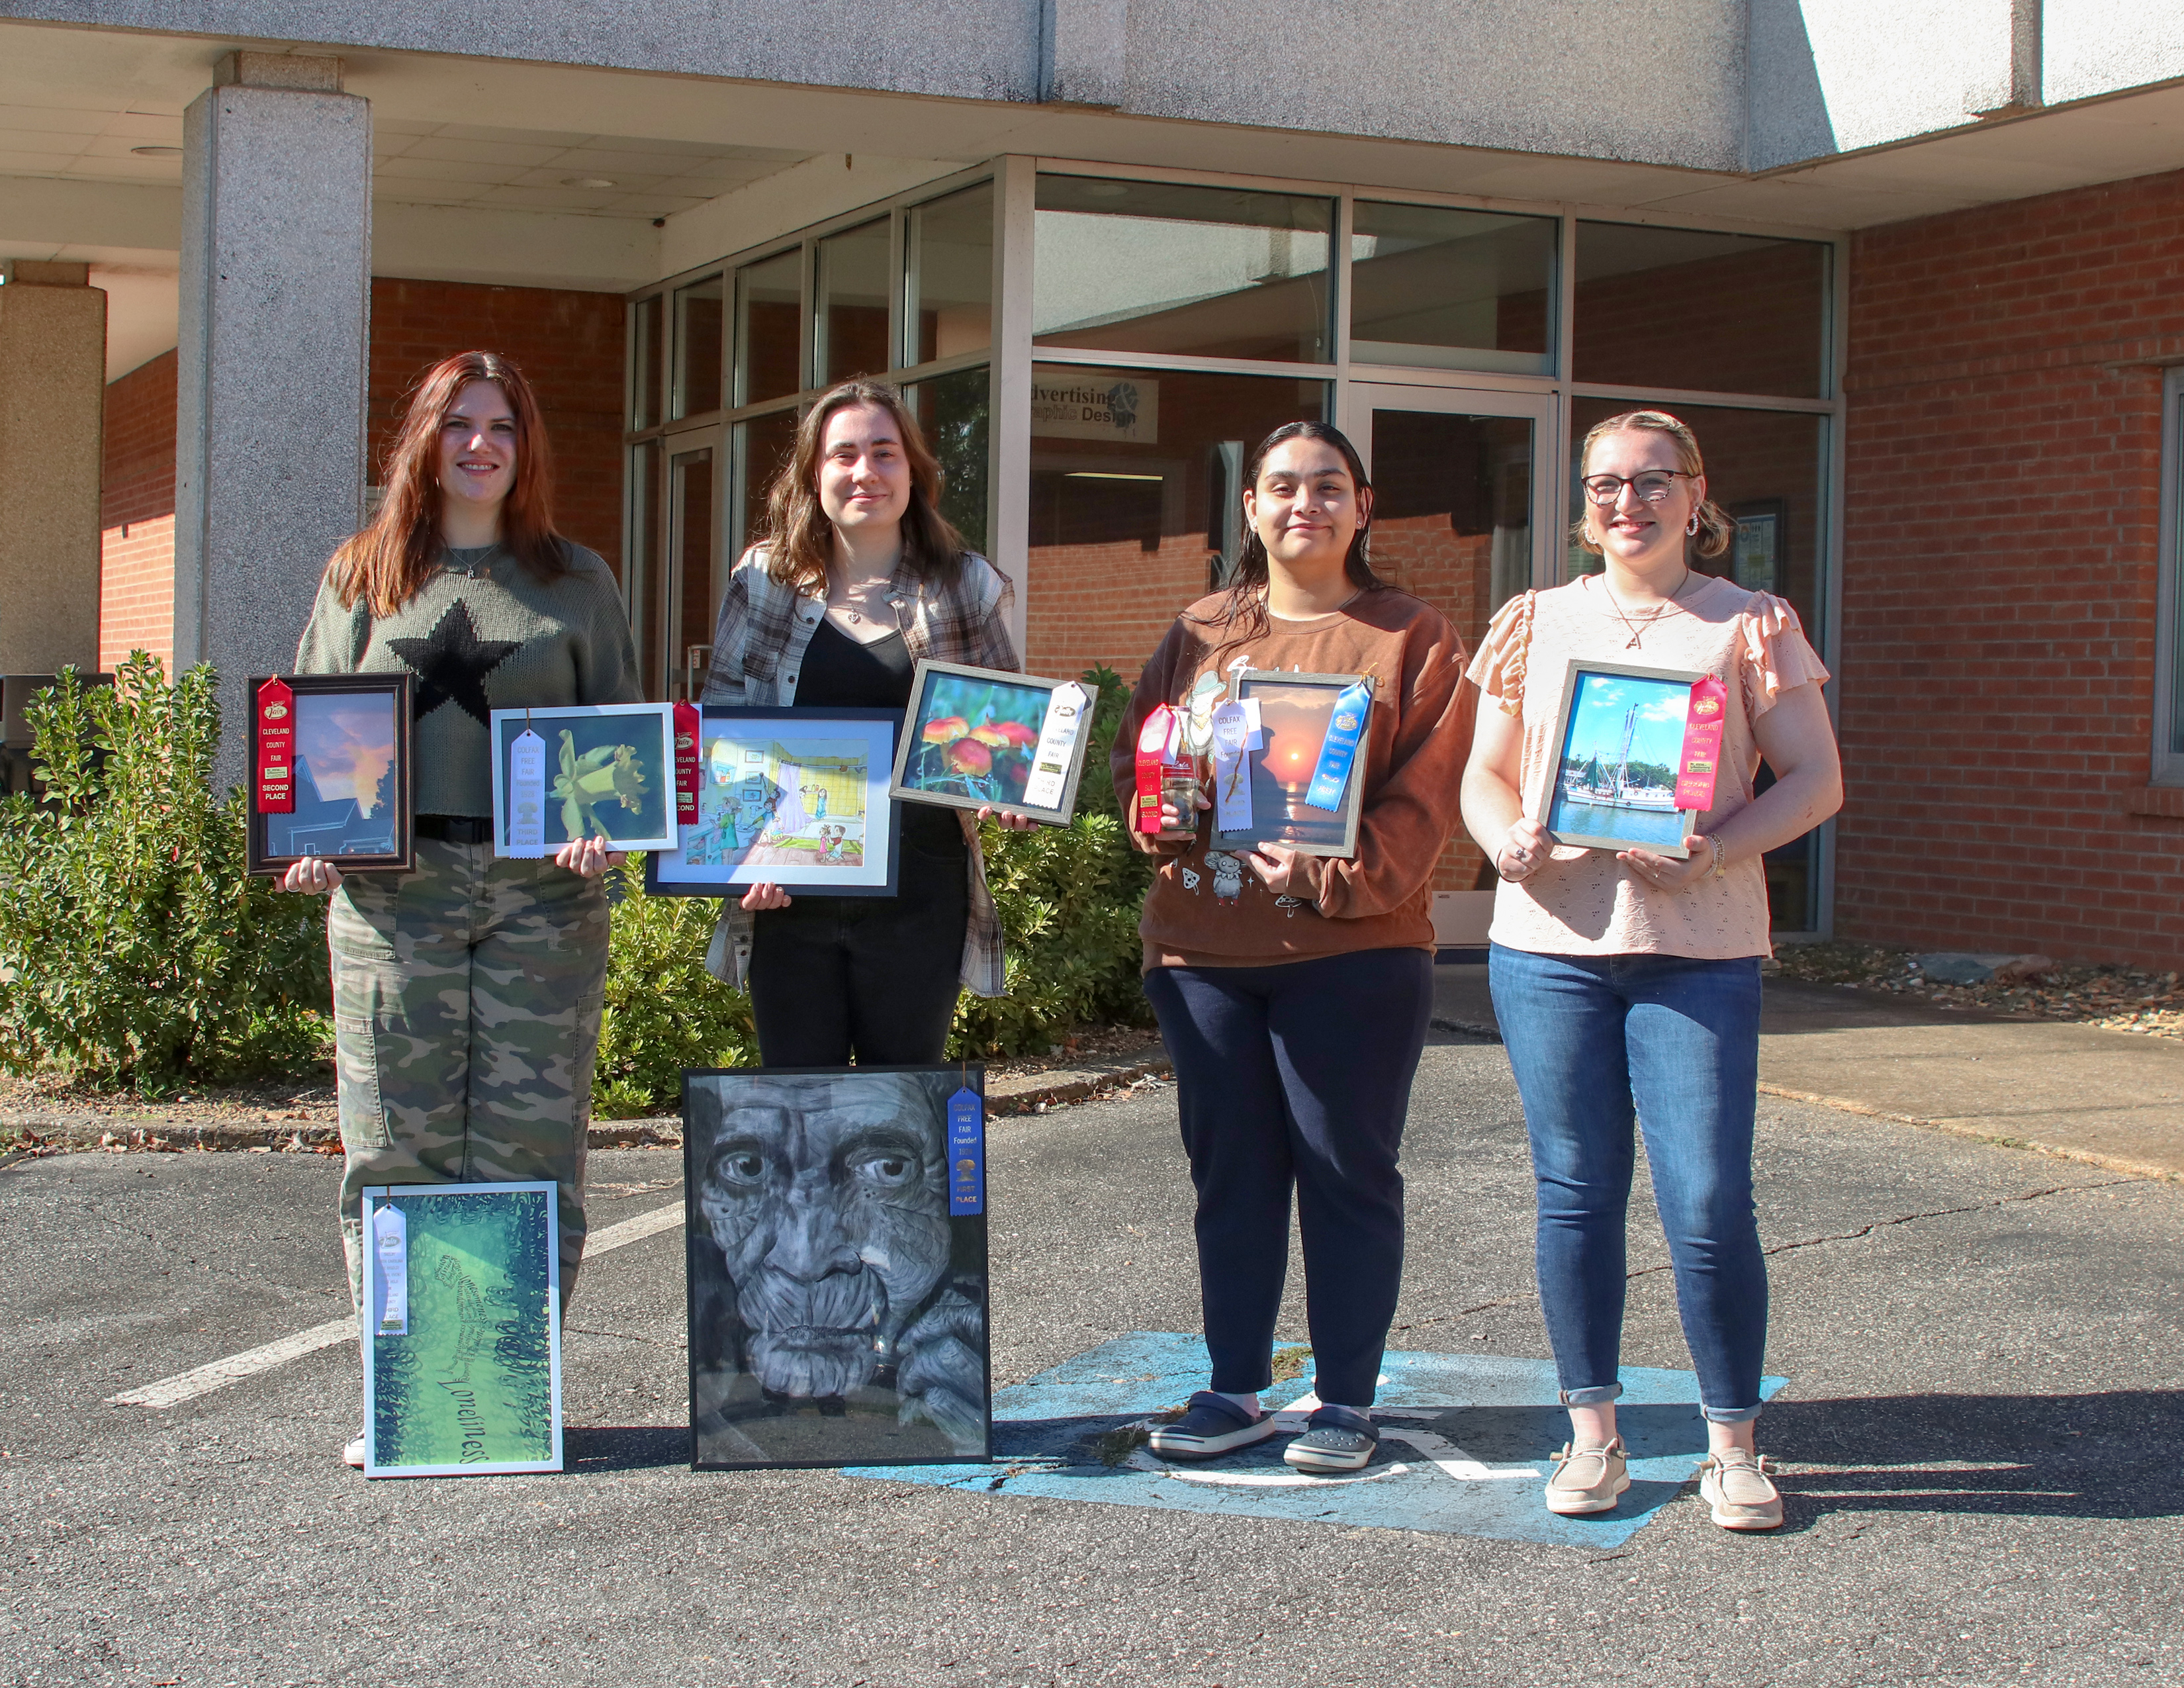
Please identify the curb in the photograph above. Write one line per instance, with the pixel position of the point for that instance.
(2060, 1151)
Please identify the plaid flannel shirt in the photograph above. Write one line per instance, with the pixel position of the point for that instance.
(758, 651)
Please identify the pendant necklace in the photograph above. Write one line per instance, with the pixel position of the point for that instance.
(1639, 628)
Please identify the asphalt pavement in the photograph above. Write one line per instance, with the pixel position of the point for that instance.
(1977, 1432)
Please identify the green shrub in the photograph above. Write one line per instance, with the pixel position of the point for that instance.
(663, 1011)
(134, 947)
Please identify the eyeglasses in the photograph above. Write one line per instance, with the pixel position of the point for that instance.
(1652, 485)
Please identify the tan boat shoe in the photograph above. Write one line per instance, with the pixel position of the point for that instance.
(1739, 1486)
(1588, 1480)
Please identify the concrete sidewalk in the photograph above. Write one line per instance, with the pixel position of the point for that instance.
(2111, 1098)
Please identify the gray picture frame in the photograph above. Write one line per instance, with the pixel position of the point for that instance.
(926, 699)
(1543, 805)
(1259, 683)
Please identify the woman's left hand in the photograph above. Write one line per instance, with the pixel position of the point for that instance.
(1280, 869)
(1665, 872)
(589, 856)
(1014, 823)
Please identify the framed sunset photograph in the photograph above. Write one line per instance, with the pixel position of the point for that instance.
(1620, 738)
(351, 780)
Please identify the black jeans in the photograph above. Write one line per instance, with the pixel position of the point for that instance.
(872, 976)
(1297, 1074)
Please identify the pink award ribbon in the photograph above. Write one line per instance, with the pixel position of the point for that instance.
(275, 771)
(1702, 757)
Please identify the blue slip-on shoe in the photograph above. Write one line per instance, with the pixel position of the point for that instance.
(1335, 1438)
(1211, 1426)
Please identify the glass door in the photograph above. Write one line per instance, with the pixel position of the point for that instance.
(1461, 517)
(676, 641)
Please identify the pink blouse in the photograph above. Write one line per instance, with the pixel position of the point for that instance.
(1583, 902)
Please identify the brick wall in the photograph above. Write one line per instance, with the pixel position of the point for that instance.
(570, 344)
(137, 516)
(2002, 489)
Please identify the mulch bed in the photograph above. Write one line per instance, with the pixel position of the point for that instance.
(2113, 999)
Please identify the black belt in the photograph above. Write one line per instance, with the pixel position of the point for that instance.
(466, 829)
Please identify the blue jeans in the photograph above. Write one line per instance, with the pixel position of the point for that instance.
(1598, 1043)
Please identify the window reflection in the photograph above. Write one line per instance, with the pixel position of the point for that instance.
(1450, 289)
(1697, 312)
(952, 411)
(1149, 266)
(951, 274)
(769, 328)
(762, 445)
(698, 347)
(852, 303)
(644, 362)
(1133, 490)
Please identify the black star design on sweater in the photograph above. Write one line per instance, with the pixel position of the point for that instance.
(452, 661)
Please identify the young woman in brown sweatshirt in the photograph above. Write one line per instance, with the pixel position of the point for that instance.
(1294, 991)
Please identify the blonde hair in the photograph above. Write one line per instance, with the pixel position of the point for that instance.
(1716, 524)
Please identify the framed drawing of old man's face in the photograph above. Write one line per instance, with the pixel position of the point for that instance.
(836, 1238)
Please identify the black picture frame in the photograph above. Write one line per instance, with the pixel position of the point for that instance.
(764, 1393)
(1015, 742)
(1275, 802)
(671, 873)
(270, 837)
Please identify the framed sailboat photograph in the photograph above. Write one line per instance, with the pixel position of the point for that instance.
(1620, 740)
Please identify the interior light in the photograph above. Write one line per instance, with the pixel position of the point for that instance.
(587, 181)
(157, 152)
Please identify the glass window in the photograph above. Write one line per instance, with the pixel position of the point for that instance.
(641, 570)
(1156, 266)
(852, 302)
(1714, 313)
(763, 445)
(2168, 728)
(1768, 469)
(1132, 476)
(951, 275)
(953, 411)
(769, 327)
(1468, 290)
(690, 599)
(644, 363)
(698, 347)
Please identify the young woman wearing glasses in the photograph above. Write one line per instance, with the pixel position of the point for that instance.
(1627, 984)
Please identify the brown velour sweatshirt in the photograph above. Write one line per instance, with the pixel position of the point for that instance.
(1208, 908)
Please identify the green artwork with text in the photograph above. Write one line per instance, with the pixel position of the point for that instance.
(471, 1384)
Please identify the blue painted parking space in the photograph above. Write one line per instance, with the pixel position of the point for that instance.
(1465, 1441)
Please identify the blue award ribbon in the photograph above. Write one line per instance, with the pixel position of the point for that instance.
(1353, 707)
(966, 1153)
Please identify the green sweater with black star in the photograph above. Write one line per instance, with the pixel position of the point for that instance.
(485, 633)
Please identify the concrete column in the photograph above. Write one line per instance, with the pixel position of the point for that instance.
(275, 301)
(52, 386)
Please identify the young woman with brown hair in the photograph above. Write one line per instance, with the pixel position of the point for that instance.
(467, 994)
(856, 577)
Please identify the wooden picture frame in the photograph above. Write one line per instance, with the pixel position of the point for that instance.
(888, 1364)
(1598, 803)
(987, 738)
(347, 726)
(844, 834)
(629, 800)
(1294, 711)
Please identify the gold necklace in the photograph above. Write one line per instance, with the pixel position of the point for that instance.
(1638, 628)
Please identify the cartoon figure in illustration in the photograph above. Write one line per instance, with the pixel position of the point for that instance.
(1289, 906)
(1228, 875)
(830, 843)
(1190, 878)
(1198, 713)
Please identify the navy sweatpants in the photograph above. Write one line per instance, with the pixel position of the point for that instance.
(1298, 1074)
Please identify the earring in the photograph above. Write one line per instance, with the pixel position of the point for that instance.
(1692, 526)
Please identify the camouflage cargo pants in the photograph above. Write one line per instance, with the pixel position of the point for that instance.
(466, 1017)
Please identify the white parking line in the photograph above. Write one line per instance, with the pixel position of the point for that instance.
(189, 1385)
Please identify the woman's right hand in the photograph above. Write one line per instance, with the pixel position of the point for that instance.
(763, 897)
(1522, 851)
(313, 875)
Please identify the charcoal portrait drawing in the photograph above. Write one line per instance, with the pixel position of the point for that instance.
(837, 1311)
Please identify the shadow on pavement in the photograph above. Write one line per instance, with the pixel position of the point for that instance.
(603, 1448)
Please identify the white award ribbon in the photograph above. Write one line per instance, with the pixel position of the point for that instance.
(1232, 768)
(390, 1251)
(1057, 743)
(526, 797)
(1251, 720)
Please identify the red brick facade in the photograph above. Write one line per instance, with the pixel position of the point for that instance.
(569, 343)
(1998, 650)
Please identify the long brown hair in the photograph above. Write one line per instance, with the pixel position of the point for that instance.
(799, 539)
(389, 562)
(1716, 527)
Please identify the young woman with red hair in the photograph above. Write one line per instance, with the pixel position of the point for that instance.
(467, 994)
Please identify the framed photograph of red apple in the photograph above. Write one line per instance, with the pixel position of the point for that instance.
(1288, 762)
(976, 738)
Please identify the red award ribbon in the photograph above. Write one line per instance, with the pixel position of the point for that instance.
(277, 750)
(1155, 750)
(686, 768)
(1702, 757)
